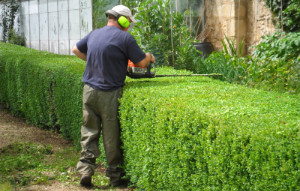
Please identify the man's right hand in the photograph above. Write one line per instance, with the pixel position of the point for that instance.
(148, 58)
(152, 58)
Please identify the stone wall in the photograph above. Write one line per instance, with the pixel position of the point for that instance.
(216, 25)
(260, 22)
(246, 20)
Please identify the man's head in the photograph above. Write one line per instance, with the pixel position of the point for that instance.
(122, 14)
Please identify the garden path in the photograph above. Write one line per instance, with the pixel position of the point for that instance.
(15, 129)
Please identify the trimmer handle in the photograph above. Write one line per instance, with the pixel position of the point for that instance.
(137, 72)
(149, 73)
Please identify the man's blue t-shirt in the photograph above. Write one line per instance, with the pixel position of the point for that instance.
(108, 50)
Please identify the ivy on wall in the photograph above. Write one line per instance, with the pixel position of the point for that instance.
(287, 12)
(8, 14)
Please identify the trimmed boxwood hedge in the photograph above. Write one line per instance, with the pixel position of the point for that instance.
(43, 87)
(186, 133)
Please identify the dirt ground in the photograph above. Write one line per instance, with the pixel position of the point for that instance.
(15, 129)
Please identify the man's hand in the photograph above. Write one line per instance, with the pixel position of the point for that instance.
(152, 58)
(78, 53)
(143, 63)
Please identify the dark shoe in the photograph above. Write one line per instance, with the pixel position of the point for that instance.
(123, 183)
(86, 181)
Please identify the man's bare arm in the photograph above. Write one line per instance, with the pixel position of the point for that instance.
(78, 53)
(148, 58)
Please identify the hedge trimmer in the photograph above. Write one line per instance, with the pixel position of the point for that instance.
(149, 72)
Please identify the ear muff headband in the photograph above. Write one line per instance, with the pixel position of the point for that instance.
(123, 21)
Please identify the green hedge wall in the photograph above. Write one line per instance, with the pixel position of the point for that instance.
(204, 134)
(45, 88)
(186, 133)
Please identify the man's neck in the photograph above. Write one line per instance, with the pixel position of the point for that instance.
(113, 23)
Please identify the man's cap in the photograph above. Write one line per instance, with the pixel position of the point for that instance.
(121, 10)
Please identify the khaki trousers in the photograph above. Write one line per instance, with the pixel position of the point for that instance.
(100, 114)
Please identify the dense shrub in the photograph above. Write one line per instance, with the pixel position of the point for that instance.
(276, 62)
(187, 133)
(44, 87)
(14, 38)
(203, 134)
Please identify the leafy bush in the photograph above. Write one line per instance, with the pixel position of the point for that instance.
(291, 16)
(155, 33)
(279, 45)
(187, 133)
(276, 62)
(14, 38)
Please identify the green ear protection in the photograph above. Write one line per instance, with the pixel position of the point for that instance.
(123, 21)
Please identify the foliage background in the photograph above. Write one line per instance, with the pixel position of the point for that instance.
(290, 11)
(163, 32)
(99, 8)
(273, 65)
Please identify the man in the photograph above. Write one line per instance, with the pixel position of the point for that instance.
(107, 51)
